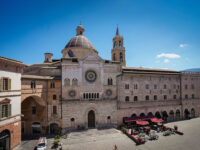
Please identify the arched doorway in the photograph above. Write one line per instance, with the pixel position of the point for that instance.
(150, 114)
(33, 110)
(36, 128)
(133, 115)
(187, 114)
(54, 128)
(5, 140)
(171, 115)
(142, 115)
(178, 114)
(157, 115)
(192, 113)
(164, 115)
(91, 119)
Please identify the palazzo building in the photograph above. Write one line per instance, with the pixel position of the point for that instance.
(81, 89)
(10, 103)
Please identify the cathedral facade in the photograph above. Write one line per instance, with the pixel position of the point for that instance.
(83, 90)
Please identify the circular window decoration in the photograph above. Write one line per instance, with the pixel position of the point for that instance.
(90, 76)
(108, 92)
(72, 93)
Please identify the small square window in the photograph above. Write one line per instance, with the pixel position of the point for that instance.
(33, 110)
(193, 97)
(147, 86)
(186, 87)
(54, 110)
(54, 97)
(186, 96)
(127, 98)
(174, 96)
(135, 98)
(126, 86)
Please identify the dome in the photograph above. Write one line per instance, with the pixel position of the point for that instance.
(80, 41)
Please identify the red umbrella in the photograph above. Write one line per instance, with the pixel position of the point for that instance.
(156, 120)
(142, 122)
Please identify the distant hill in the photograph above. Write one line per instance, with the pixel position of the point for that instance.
(193, 70)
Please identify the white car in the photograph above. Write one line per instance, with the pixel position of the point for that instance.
(42, 143)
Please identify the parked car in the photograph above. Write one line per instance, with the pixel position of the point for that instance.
(42, 143)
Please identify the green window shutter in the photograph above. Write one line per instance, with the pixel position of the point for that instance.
(1, 84)
(9, 84)
(9, 110)
(1, 111)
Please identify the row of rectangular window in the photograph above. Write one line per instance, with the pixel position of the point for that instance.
(135, 98)
(90, 95)
(135, 86)
(186, 86)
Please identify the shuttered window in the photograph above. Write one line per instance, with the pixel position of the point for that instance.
(5, 84)
(5, 111)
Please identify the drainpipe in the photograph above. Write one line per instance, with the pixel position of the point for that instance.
(181, 103)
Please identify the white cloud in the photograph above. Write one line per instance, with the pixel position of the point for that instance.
(168, 55)
(166, 60)
(183, 45)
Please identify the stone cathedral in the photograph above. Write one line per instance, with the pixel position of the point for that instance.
(81, 89)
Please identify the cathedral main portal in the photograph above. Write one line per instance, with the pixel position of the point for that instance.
(91, 119)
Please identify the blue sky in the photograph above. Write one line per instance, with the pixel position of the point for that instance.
(157, 33)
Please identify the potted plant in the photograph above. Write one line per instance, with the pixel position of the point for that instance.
(131, 131)
(139, 140)
(175, 127)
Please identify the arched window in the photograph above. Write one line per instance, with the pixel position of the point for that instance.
(110, 81)
(67, 82)
(121, 57)
(120, 43)
(127, 98)
(115, 43)
(74, 81)
(135, 98)
(114, 57)
(52, 85)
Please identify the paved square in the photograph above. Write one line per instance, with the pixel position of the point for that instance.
(105, 139)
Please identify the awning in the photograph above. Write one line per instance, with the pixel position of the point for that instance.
(132, 119)
(142, 123)
(156, 120)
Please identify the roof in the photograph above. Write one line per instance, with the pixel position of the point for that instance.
(12, 60)
(148, 70)
(27, 76)
(80, 41)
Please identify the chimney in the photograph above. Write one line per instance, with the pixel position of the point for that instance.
(48, 57)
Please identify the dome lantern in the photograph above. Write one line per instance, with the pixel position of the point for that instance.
(80, 30)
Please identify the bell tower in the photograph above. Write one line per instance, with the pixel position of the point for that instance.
(118, 50)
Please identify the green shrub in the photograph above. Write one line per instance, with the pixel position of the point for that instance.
(123, 129)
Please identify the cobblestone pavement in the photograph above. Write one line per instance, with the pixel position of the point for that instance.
(105, 139)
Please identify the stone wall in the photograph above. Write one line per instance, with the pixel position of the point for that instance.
(79, 111)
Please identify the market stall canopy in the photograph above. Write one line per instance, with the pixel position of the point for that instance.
(156, 120)
(143, 123)
(132, 119)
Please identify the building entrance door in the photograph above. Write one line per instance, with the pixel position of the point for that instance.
(91, 119)
(5, 140)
